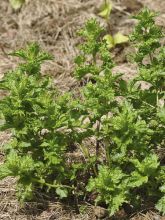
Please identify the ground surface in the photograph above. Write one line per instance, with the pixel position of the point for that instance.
(53, 23)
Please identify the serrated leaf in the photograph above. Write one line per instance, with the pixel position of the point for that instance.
(161, 114)
(16, 4)
(62, 193)
(109, 40)
(25, 145)
(162, 188)
(106, 9)
(137, 180)
(116, 202)
(120, 38)
(161, 205)
(4, 171)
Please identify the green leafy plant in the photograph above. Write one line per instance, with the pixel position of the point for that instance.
(125, 120)
(118, 38)
(35, 154)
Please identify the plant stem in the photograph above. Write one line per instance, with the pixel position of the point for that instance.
(87, 155)
(85, 151)
(97, 141)
(94, 58)
(107, 154)
(51, 185)
(151, 58)
(157, 98)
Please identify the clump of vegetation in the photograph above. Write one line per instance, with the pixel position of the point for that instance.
(35, 113)
(126, 120)
(131, 130)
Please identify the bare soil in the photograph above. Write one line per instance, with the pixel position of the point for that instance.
(53, 24)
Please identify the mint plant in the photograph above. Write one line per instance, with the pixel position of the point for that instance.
(35, 113)
(126, 138)
(126, 120)
(95, 63)
(150, 60)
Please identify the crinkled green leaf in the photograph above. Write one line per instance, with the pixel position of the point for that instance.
(62, 193)
(161, 205)
(4, 171)
(136, 179)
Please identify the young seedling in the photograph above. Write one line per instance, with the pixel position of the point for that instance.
(105, 10)
(118, 38)
(17, 4)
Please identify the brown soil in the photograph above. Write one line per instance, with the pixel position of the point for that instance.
(53, 23)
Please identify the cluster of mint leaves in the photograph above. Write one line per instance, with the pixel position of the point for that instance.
(126, 120)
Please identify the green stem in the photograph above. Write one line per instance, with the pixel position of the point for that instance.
(94, 58)
(157, 98)
(151, 58)
(97, 141)
(51, 185)
(109, 27)
(87, 154)
(85, 151)
(94, 170)
(107, 155)
(148, 104)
